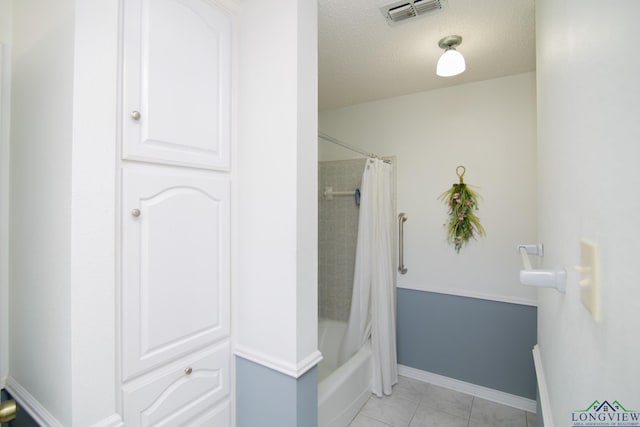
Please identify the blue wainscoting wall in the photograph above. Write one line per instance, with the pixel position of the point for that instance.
(487, 343)
(268, 398)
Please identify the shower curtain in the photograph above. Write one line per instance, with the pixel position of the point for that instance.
(373, 301)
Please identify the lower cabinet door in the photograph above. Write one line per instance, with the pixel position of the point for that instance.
(193, 391)
(175, 264)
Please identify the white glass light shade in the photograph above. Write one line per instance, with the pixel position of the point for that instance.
(450, 63)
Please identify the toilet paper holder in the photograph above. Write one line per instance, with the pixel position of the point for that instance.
(556, 279)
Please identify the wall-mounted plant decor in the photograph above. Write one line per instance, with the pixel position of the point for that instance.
(463, 222)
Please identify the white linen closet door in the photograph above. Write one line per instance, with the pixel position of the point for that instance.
(175, 218)
(176, 83)
(175, 265)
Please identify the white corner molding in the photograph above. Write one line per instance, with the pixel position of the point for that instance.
(31, 405)
(295, 370)
(543, 391)
(486, 393)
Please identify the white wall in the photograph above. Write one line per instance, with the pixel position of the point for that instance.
(490, 128)
(307, 182)
(62, 241)
(40, 201)
(589, 146)
(275, 299)
(5, 99)
(93, 240)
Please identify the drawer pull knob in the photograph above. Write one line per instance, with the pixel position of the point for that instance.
(135, 115)
(135, 213)
(188, 371)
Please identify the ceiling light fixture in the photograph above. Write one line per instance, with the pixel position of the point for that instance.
(451, 63)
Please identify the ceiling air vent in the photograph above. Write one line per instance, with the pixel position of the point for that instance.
(401, 11)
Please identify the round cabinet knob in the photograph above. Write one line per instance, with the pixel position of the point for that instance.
(135, 213)
(188, 371)
(135, 115)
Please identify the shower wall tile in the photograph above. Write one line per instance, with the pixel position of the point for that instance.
(337, 237)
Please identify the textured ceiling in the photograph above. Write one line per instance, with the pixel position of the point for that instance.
(361, 58)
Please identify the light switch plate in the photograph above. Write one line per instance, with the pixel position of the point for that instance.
(589, 283)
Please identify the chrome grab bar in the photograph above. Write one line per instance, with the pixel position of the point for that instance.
(402, 217)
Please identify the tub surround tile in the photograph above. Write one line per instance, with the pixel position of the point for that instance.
(337, 237)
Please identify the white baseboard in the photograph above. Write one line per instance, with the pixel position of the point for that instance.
(543, 391)
(486, 393)
(30, 404)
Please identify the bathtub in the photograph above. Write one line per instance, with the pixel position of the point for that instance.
(342, 390)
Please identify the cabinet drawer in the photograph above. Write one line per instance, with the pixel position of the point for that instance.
(193, 391)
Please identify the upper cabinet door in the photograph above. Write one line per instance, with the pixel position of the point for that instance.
(176, 83)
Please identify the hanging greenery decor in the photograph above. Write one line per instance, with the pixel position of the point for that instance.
(463, 222)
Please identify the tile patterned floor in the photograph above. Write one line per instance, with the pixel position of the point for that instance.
(417, 404)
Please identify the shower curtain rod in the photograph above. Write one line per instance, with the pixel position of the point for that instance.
(345, 145)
